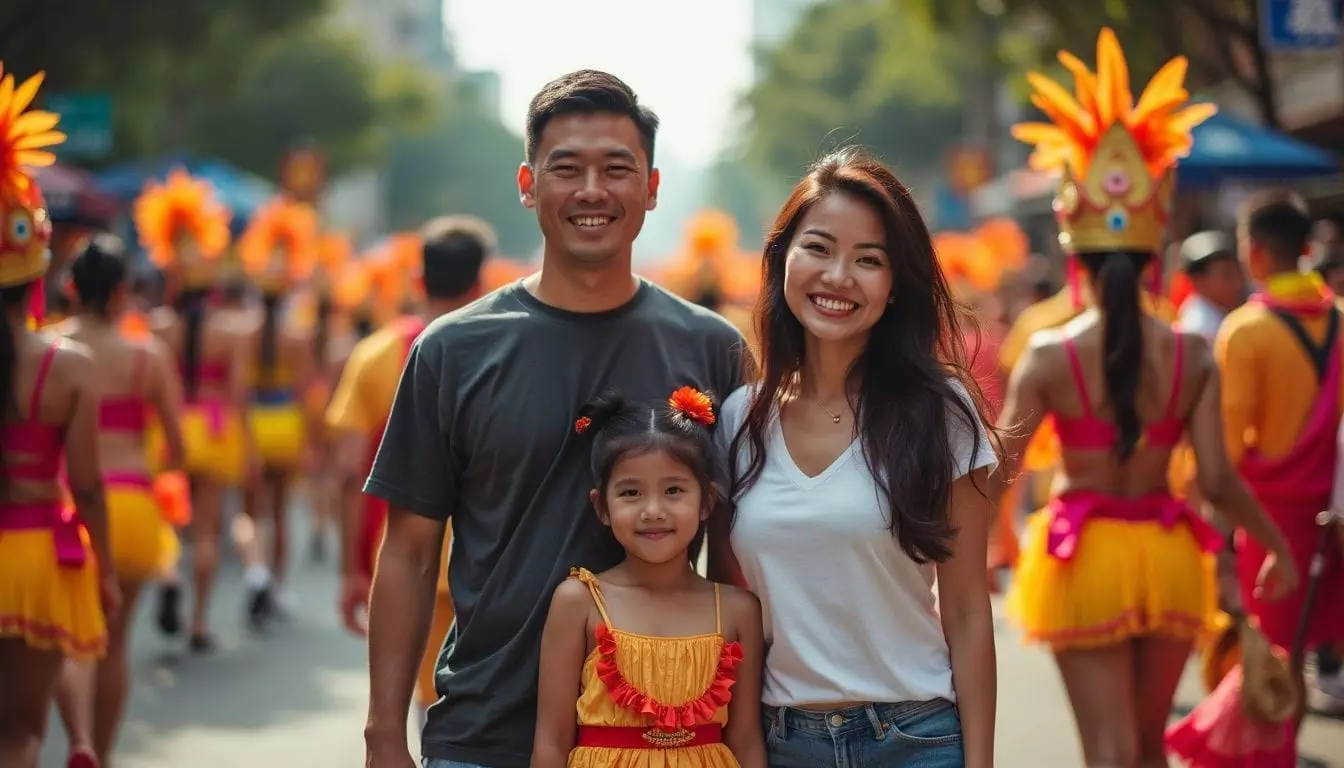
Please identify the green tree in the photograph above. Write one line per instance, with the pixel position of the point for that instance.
(1221, 38)
(856, 72)
(464, 161)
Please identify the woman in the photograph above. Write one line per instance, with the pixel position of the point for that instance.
(136, 378)
(1114, 574)
(278, 251)
(186, 232)
(52, 573)
(858, 460)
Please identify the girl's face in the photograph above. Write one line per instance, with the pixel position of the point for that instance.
(837, 275)
(654, 505)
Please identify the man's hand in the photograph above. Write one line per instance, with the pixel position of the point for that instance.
(383, 753)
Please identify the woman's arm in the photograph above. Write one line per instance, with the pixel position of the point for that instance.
(165, 394)
(1223, 488)
(83, 470)
(1022, 414)
(564, 646)
(967, 620)
(743, 734)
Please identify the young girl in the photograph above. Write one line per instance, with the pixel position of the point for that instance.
(657, 657)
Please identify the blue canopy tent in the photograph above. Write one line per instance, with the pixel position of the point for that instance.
(242, 192)
(1227, 148)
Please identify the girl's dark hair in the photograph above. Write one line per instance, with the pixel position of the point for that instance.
(618, 428)
(1117, 276)
(10, 296)
(190, 305)
(270, 329)
(97, 271)
(906, 377)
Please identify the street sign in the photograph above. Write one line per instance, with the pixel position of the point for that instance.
(1300, 25)
(86, 121)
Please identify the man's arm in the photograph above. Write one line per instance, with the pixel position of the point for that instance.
(415, 475)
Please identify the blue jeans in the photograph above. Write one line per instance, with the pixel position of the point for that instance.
(430, 762)
(912, 734)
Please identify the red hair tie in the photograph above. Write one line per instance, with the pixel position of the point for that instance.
(693, 404)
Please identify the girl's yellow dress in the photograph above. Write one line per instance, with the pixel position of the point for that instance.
(654, 702)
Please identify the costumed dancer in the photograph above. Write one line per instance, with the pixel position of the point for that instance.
(452, 255)
(137, 378)
(1280, 360)
(56, 579)
(279, 252)
(186, 232)
(1115, 575)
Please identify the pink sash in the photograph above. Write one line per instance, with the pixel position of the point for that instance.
(1073, 509)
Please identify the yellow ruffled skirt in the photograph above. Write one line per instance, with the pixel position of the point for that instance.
(1125, 579)
(49, 606)
(143, 544)
(279, 431)
(213, 437)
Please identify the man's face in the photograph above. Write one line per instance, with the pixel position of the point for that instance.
(1223, 282)
(590, 184)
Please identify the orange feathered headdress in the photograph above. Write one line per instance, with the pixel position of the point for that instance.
(280, 246)
(1115, 157)
(350, 286)
(25, 138)
(181, 222)
(980, 259)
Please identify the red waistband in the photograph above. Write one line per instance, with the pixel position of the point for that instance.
(51, 515)
(1073, 509)
(128, 478)
(640, 737)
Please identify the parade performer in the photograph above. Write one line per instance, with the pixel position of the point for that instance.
(136, 378)
(688, 684)
(334, 252)
(186, 231)
(453, 252)
(1280, 359)
(1114, 574)
(56, 579)
(279, 252)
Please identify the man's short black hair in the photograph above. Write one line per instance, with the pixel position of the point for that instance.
(1279, 222)
(588, 92)
(452, 252)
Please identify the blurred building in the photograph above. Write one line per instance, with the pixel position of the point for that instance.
(485, 83)
(401, 30)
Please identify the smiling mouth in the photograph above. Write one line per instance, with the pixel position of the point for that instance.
(655, 535)
(591, 222)
(832, 306)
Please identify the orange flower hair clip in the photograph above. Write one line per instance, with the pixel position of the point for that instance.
(693, 404)
(582, 425)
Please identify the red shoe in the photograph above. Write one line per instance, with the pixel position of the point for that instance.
(82, 758)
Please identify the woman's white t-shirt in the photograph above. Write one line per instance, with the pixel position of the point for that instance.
(848, 615)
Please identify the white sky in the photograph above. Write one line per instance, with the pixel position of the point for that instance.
(687, 59)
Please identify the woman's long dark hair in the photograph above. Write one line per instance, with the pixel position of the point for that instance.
(1117, 277)
(190, 304)
(325, 306)
(270, 330)
(10, 296)
(97, 271)
(904, 377)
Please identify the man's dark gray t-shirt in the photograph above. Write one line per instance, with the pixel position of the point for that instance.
(482, 435)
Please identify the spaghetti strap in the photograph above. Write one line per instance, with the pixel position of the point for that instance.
(43, 368)
(1179, 366)
(589, 580)
(1076, 366)
(718, 614)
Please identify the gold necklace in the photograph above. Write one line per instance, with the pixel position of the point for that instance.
(835, 417)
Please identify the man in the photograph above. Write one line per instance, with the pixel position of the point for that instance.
(1209, 259)
(1280, 357)
(481, 432)
(453, 251)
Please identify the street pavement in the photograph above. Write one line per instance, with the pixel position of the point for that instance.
(296, 697)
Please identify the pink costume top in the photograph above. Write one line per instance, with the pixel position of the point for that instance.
(1090, 432)
(127, 414)
(44, 446)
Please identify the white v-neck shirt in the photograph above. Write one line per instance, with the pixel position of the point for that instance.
(848, 615)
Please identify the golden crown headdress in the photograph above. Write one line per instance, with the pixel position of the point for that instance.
(25, 138)
(1116, 157)
(182, 224)
(279, 247)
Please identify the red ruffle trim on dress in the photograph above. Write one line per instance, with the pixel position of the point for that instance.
(698, 711)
